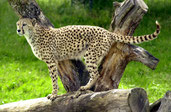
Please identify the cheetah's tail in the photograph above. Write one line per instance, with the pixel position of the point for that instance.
(138, 39)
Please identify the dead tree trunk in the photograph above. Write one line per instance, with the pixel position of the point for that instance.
(132, 100)
(127, 16)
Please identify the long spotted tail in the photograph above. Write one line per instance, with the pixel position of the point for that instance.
(137, 39)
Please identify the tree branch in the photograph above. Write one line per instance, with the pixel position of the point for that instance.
(141, 55)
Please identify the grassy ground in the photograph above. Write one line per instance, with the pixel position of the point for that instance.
(22, 76)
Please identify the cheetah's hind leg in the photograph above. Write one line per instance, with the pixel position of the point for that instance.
(94, 75)
(93, 78)
(92, 67)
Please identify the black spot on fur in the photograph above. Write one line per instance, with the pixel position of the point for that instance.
(137, 40)
(141, 38)
(158, 27)
(145, 37)
(154, 35)
(149, 36)
(157, 30)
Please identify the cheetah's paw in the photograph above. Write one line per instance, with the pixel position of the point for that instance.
(52, 97)
(81, 91)
(83, 88)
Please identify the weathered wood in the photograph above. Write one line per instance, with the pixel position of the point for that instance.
(127, 16)
(118, 100)
(166, 103)
(29, 9)
(70, 71)
(155, 106)
(163, 104)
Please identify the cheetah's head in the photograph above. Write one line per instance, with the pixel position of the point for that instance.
(25, 26)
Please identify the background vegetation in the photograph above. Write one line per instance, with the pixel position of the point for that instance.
(22, 76)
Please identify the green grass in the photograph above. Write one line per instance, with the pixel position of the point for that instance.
(22, 76)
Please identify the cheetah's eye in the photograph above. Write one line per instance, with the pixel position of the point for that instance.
(24, 24)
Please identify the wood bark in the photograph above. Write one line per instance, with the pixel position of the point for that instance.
(132, 100)
(127, 16)
(118, 100)
(163, 104)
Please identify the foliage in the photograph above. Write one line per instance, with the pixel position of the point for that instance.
(22, 76)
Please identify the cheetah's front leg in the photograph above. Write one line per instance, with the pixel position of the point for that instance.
(54, 77)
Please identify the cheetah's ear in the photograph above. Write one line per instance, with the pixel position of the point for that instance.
(34, 21)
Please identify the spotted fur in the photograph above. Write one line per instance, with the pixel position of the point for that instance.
(56, 44)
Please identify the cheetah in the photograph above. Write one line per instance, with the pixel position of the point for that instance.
(52, 45)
